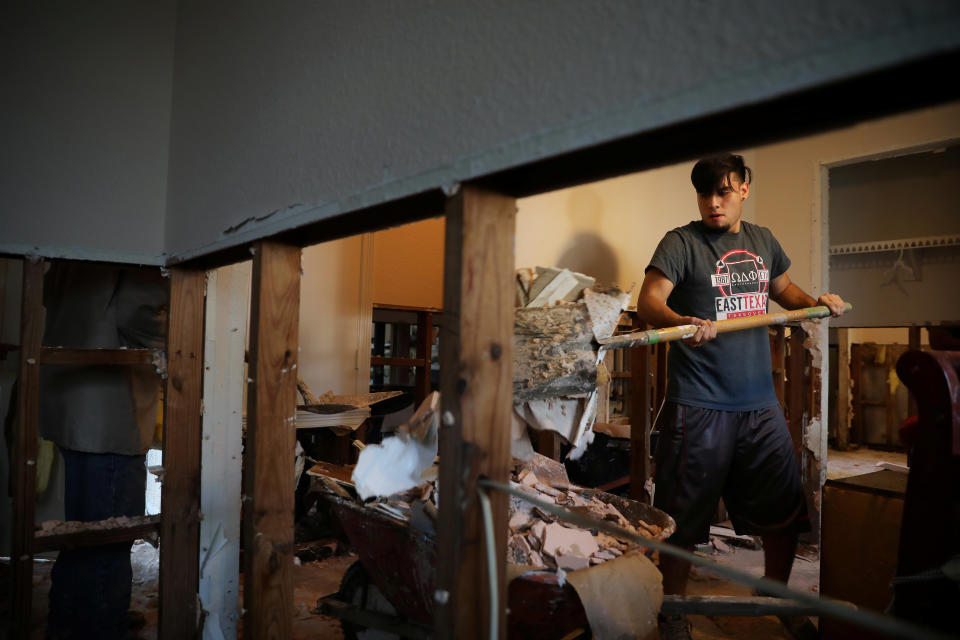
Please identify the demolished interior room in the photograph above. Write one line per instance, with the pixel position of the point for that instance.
(404, 385)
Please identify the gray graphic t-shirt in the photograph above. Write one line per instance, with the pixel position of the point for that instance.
(721, 276)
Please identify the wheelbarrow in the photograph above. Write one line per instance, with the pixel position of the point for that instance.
(392, 584)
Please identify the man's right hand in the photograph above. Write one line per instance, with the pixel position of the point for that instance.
(706, 331)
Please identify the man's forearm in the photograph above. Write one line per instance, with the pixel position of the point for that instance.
(793, 297)
(657, 314)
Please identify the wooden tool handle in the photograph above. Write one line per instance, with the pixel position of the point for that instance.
(669, 334)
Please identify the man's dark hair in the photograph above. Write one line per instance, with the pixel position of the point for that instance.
(709, 174)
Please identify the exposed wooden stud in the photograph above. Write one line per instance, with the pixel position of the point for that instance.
(268, 475)
(180, 496)
(843, 389)
(661, 380)
(24, 452)
(795, 402)
(639, 421)
(778, 354)
(476, 386)
(857, 429)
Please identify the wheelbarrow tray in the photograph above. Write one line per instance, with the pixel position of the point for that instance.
(401, 561)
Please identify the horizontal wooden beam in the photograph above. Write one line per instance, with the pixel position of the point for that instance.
(92, 537)
(60, 355)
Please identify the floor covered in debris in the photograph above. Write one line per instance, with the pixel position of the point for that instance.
(320, 575)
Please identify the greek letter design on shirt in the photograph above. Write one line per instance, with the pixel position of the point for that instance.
(742, 278)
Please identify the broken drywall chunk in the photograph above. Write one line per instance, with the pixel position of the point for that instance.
(552, 285)
(571, 561)
(605, 309)
(558, 538)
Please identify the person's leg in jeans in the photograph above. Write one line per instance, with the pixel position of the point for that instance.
(90, 590)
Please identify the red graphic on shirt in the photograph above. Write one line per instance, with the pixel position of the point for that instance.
(742, 278)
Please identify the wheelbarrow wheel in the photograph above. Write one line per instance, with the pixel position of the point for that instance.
(357, 589)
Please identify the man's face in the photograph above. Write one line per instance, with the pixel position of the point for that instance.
(720, 210)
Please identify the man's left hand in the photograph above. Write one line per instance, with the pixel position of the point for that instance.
(833, 302)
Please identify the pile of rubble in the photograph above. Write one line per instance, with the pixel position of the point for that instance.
(536, 538)
(540, 539)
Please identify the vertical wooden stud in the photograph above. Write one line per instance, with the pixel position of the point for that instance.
(843, 389)
(661, 380)
(23, 455)
(796, 401)
(856, 368)
(477, 397)
(180, 496)
(639, 422)
(268, 482)
(778, 353)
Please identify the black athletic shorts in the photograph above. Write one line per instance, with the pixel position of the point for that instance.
(746, 457)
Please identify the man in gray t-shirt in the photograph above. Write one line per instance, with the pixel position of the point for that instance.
(722, 432)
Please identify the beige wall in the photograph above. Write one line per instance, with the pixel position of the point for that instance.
(609, 229)
(333, 322)
(408, 265)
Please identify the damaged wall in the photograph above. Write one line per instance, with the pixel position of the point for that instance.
(85, 124)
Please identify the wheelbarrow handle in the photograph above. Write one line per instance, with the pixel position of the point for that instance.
(669, 334)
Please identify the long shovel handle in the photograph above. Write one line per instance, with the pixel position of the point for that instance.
(669, 334)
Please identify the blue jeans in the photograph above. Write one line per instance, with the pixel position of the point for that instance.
(90, 590)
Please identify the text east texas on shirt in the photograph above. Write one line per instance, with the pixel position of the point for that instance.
(740, 282)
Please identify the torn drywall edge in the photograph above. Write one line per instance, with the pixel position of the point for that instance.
(83, 253)
(644, 114)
